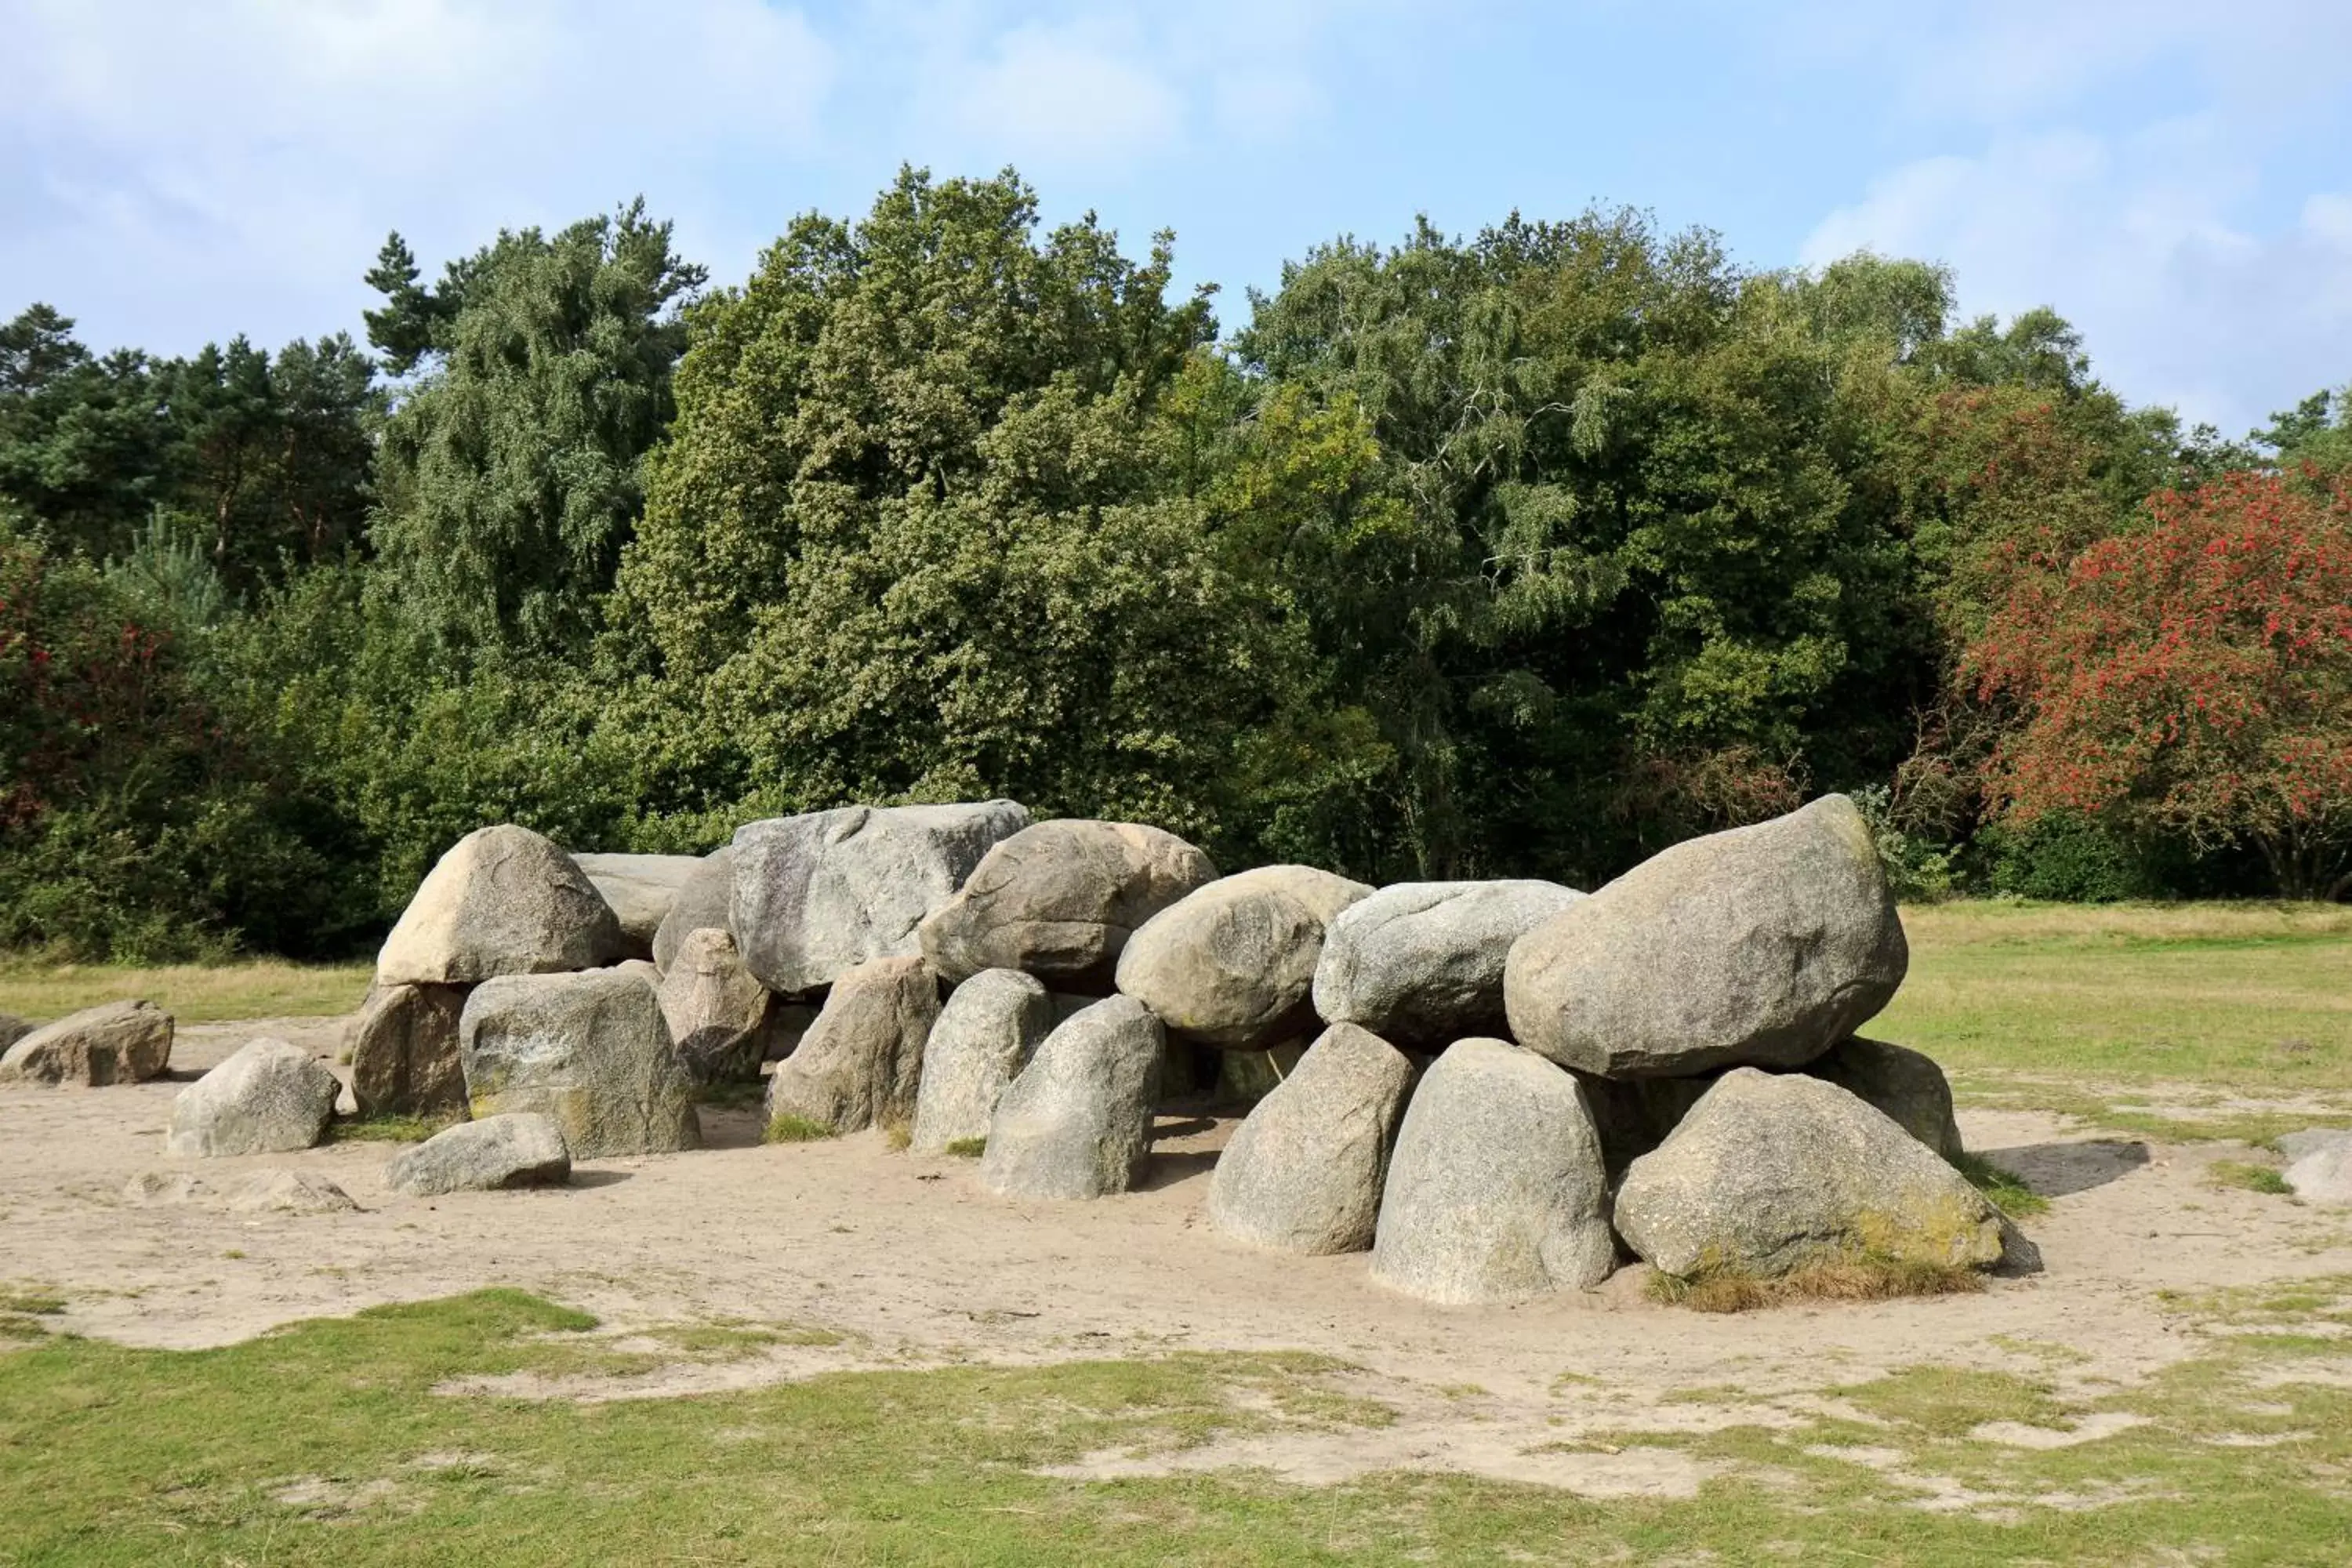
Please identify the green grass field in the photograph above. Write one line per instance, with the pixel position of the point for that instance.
(194, 993)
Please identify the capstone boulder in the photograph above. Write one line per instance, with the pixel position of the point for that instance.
(1422, 962)
(1060, 900)
(503, 900)
(640, 889)
(1231, 964)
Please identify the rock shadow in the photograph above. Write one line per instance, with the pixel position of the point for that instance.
(2059, 1170)
(594, 1179)
(1171, 1166)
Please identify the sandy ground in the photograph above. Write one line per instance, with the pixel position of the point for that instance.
(912, 1264)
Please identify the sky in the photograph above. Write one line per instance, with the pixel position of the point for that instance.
(2176, 178)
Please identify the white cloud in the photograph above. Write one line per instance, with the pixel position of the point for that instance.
(1066, 96)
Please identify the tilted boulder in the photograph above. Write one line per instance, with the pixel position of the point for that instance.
(1496, 1192)
(1077, 1123)
(1762, 946)
(503, 900)
(1422, 962)
(404, 1050)
(1229, 965)
(115, 1042)
(590, 1051)
(1899, 1083)
(818, 894)
(520, 1149)
(984, 1037)
(859, 1064)
(705, 901)
(1304, 1172)
(268, 1097)
(717, 1009)
(1059, 900)
(1770, 1173)
(640, 889)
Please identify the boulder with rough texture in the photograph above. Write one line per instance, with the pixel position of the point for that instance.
(520, 1149)
(1770, 1173)
(640, 889)
(1422, 962)
(1899, 1083)
(1077, 1123)
(1762, 946)
(2295, 1146)
(818, 894)
(716, 1009)
(268, 1097)
(1230, 963)
(2323, 1173)
(12, 1030)
(404, 1050)
(705, 901)
(1059, 900)
(859, 1063)
(589, 1050)
(115, 1042)
(1303, 1173)
(504, 901)
(1496, 1192)
(984, 1037)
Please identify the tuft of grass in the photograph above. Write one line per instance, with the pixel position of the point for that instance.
(966, 1148)
(388, 1128)
(190, 993)
(790, 1128)
(1864, 1277)
(2006, 1188)
(899, 1133)
(36, 1303)
(2252, 1177)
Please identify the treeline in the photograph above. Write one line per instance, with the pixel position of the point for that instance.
(1521, 554)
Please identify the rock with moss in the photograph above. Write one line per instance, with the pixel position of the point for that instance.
(266, 1098)
(1496, 1190)
(115, 1042)
(1773, 1173)
(1076, 1122)
(861, 1062)
(641, 889)
(1421, 964)
(716, 1009)
(1304, 1171)
(590, 1050)
(520, 1149)
(1060, 900)
(705, 901)
(985, 1034)
(403, 1051)
(1231, 964)
(503, 900)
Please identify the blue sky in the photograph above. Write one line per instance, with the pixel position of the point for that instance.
(2176, 178)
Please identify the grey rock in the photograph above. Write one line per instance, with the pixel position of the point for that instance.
(1769, 1173)
(12, 1030)
(1230, 963)
(2294, 1146)
(705, 901)
(716, 1009)
(1304, 1172)
(1634, 1116)
(404, 1050)
(640, 889)
(268, 1097)
(2323, 1174)
(115, 1042)
(589, 1050)
(859, 1064)
(1422, 962)
(818, 894)
(520, 1149)
(1059, 900)
(1076, 1122)
(1496, 1192)
(503, 900)
(1899, 1083)
(1763, 946)
(276, 1191)
(984, 1037)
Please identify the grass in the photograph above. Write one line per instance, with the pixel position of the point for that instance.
(2006, 1189)
(1863, 1277)
(790, 1128)
(190, 993)
(388, 1127)
(966, 1148)
(2253, 1178)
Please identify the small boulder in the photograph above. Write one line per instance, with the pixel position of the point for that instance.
(589, 1050)
(821, 893)
(1230, 963)
(640, 889)
(1059, 900)
(1076, 1122)
(1770, 1173)
(503, 900)
(1775, 943)
(404, 1050)
(1303, 1173)
(2323, 1173)
(1496, 1192)
(267, 1098)
(705, 901)
(859, 1063)
(2294, 1146)
(520, 1149)
(115, 1042)
(1422, 962)
(276, 1191)
(716, 1009)
(1897, 1082)
(984, 1037)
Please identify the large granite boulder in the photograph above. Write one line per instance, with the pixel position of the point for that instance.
(1076, 1122)
(1772, 1171)
(815, 895)
(984, 1037)
(1763, 946)
(503, 900)
(1303, 1173)
(114, 1042)
(520, 1149)
(404, 1050)
(1230, 963)
(1422, 962)
(266, 1098)
(1496, 1192)
(705, 901)
(589, 1050)
(1059, 900)
(717, 1009)
(1899, 1083)
(859, 1064)
(2320, 1171)
(640, 889)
